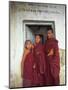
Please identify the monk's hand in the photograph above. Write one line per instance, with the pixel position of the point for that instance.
(51, 52)
(32, 46)
(34, 66)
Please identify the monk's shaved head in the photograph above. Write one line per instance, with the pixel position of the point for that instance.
(38, 35)
(50, 29)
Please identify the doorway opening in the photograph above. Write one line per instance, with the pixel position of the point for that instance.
(33, 28)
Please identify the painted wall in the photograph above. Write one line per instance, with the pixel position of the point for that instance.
(20, 12)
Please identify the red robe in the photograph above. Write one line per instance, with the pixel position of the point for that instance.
(52, 62)
(28, 71)
(39, 60)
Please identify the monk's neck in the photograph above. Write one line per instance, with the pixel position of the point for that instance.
(37, 44)
(50, 38)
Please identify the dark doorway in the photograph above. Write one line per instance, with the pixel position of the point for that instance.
(32, 30)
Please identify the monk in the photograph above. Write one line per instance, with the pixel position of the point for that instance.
(39, 59)
(27, 65)
(52, 59)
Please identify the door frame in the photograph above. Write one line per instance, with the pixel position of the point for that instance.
(37, 22)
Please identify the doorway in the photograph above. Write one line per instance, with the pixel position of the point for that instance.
(34, 27)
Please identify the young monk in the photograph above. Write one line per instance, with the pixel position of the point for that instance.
(27, 65)
(39, 62)
(52, 59)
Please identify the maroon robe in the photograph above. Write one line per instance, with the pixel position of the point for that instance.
(52, 62)
(28, 71)
(39, 60)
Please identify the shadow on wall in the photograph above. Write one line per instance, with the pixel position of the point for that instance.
(16, 80)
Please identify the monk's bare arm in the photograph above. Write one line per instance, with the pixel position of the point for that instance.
(51, 52)
(22, 64)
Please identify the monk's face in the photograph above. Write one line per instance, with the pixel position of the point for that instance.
(37, 39)
(49, 34)
(29, 45)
